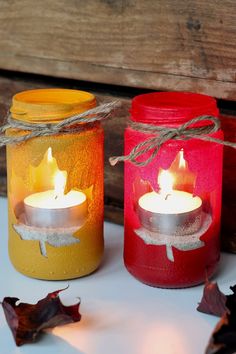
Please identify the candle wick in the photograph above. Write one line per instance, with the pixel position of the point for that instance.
(167, 195)
(56, 196)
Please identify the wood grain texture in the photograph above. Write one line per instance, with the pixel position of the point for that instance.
(229, 187)
(164, 44)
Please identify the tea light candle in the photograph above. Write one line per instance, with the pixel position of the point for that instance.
(170, 212)
(177, 214)
(44, 209)
(55, 209)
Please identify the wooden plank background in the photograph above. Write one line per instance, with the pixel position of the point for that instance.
(164, 44)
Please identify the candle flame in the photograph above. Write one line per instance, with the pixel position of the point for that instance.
(59, 183)
(49, 155)
(182, 162)
(165, 181)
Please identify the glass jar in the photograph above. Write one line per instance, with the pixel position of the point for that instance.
(173, 204)
(55, 188)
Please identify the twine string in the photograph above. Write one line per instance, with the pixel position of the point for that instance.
(163, 134)
(75, 123)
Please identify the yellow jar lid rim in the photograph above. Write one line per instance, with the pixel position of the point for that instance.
(54, 104)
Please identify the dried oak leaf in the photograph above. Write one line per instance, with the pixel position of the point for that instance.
(223, 339)
(26, 321)
(213, 300)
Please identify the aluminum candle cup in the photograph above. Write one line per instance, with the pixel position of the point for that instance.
(176, 221)
(45, 210)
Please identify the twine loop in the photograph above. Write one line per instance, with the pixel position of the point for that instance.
(162, 134)
(76, 123)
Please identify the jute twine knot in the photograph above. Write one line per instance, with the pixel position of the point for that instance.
(163, 134)
(73, 124)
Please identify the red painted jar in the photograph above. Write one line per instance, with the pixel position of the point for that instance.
(173, 204)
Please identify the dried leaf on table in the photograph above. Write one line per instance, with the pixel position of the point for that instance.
(223, 339)
(213, 300)
(26, 321)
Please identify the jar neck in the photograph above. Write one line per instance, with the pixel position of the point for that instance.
(50, 105)
(172, 108)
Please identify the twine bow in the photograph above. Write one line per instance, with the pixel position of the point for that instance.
(163, 134)
(69, 125)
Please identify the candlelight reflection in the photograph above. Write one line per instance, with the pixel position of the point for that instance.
(182, 162)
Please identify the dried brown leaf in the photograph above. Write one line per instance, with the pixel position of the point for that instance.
(213, 300)
(223, 339)
(27, 321)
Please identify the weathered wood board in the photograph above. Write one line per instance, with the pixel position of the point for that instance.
(164, 44)
(114, 146)
(229, 187)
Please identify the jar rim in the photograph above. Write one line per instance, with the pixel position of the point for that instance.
(50, 105)
(171, 107)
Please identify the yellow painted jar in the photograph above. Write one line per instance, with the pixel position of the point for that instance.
(55, 188)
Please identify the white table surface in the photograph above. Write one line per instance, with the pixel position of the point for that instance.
(120, 315)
